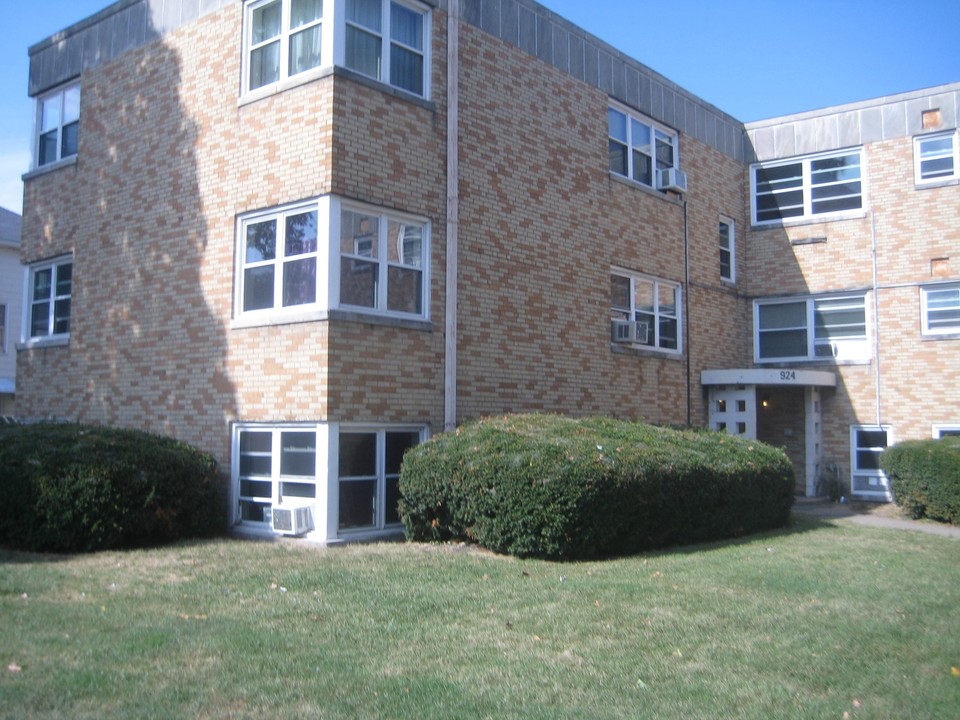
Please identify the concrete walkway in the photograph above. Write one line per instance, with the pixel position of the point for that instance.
(825, 510)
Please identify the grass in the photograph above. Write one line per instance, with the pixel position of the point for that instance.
(816, 621)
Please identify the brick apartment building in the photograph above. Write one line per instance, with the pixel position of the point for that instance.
(306, 235)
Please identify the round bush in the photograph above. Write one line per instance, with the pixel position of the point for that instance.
(925, 477)
(555, 487)
(76, 488)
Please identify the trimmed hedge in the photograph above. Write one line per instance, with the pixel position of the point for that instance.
(925, 477)
(554, 487)
(76, 488)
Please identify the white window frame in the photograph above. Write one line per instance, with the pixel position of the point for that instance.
(925, 310)
(276, 479)
(278, 216)
(59, 97)
(30, 277)
(635, 123)
(805, 180)
(941, 430)
(655, 337)
(851, 348)
(878, 486)
(329, 210)
(286, 33)
(363, 253)
(333, 35)
(381, 477)
(387, 41)
(325, 479)
(728, 247)
(953, 154)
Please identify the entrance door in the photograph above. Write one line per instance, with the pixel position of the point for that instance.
(733, 409)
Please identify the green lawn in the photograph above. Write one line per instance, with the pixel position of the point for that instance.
(814, 622)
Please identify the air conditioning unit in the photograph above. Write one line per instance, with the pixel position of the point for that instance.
(291, 520)
(629, 331)
(672, 179)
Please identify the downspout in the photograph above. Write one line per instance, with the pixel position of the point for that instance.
(686, 317)
(876, 312)
(453, 217)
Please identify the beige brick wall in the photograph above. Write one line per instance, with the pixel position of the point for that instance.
(543, 221)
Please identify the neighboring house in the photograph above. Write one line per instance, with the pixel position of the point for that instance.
(305, 236)
(11, 297)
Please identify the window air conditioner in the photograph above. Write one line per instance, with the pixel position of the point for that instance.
(672, 179)
(627, 331)
(292, 520)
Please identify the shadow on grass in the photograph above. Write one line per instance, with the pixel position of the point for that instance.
(799, 523)
(12, 556)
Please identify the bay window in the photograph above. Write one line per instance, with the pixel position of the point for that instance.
(300, 261)
(343, 479)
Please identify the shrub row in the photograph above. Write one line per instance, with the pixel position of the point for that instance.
(75, 488)
(925, 477)
(554, 487)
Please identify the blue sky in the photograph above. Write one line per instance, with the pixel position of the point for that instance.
(751, 58)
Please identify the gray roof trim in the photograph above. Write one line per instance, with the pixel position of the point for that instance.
(853, 124)
(119, 27)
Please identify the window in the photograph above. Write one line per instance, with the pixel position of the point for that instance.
(940, 309)
(783, 329)
(935, 158)
(381, 261)
(867, 443)
(351, 473)
(3, 328)
(645, 311)
(275, 465)
(728, 244)
(950, 430)
(58, 125)
(284, 39)
(279, 259)
(386, 41)
(50, 289)
(807, 187)
(638, 147)
(369, 476)
(291, 265)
